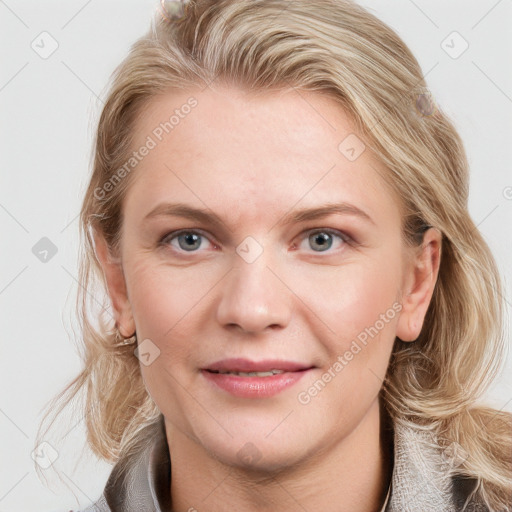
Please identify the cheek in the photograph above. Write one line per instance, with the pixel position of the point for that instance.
(168, 306)
(360, 308)
(164, 298)
(351, 298)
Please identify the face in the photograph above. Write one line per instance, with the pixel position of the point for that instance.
(253, 241)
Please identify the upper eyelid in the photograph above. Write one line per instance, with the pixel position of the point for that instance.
(344, 236)
(347, 239)
(332, 231)
(174, 234)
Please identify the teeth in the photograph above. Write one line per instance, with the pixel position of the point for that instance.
(254, 374)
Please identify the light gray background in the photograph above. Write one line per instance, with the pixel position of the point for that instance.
(48, 111)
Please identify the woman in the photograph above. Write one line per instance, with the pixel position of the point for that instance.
(304, 313)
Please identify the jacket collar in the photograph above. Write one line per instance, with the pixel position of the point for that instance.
(420, 481)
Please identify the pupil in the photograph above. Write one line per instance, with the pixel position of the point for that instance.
(190, 240)
(323, 240)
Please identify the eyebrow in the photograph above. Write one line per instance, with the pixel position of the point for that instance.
(324, 210)
(205, 216)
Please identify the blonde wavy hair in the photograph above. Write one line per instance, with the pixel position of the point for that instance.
(336, 48)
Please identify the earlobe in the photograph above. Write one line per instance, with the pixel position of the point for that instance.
(116, 286)
(420, 282)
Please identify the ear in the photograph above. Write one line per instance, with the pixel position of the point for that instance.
(114, 277)
(420, 279)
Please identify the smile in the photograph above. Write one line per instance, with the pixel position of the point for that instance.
(254, 379)
(251, 374)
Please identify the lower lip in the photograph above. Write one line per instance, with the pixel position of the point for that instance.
(254, 387)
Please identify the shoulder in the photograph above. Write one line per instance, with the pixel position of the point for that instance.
(423, 477)
(133, 483)
(463, 495)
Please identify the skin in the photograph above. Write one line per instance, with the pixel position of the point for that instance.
(252, 159)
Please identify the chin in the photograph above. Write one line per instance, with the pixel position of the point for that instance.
(258, 454)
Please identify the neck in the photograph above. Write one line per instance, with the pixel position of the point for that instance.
(350, 475)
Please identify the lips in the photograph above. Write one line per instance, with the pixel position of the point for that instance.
(243, 378)
(239, 365)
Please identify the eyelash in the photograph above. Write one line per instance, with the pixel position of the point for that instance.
(166, 239)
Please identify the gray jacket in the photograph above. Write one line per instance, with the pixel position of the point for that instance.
(419, 481)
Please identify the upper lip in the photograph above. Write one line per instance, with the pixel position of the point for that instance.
(246, 365)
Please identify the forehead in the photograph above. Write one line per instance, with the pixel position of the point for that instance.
(224, 147)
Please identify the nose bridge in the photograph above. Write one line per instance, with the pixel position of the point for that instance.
(253, 298)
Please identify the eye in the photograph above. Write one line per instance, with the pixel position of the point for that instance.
(321, 240)
(188, 241)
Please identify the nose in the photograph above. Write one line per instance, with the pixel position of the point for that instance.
(253, 297)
